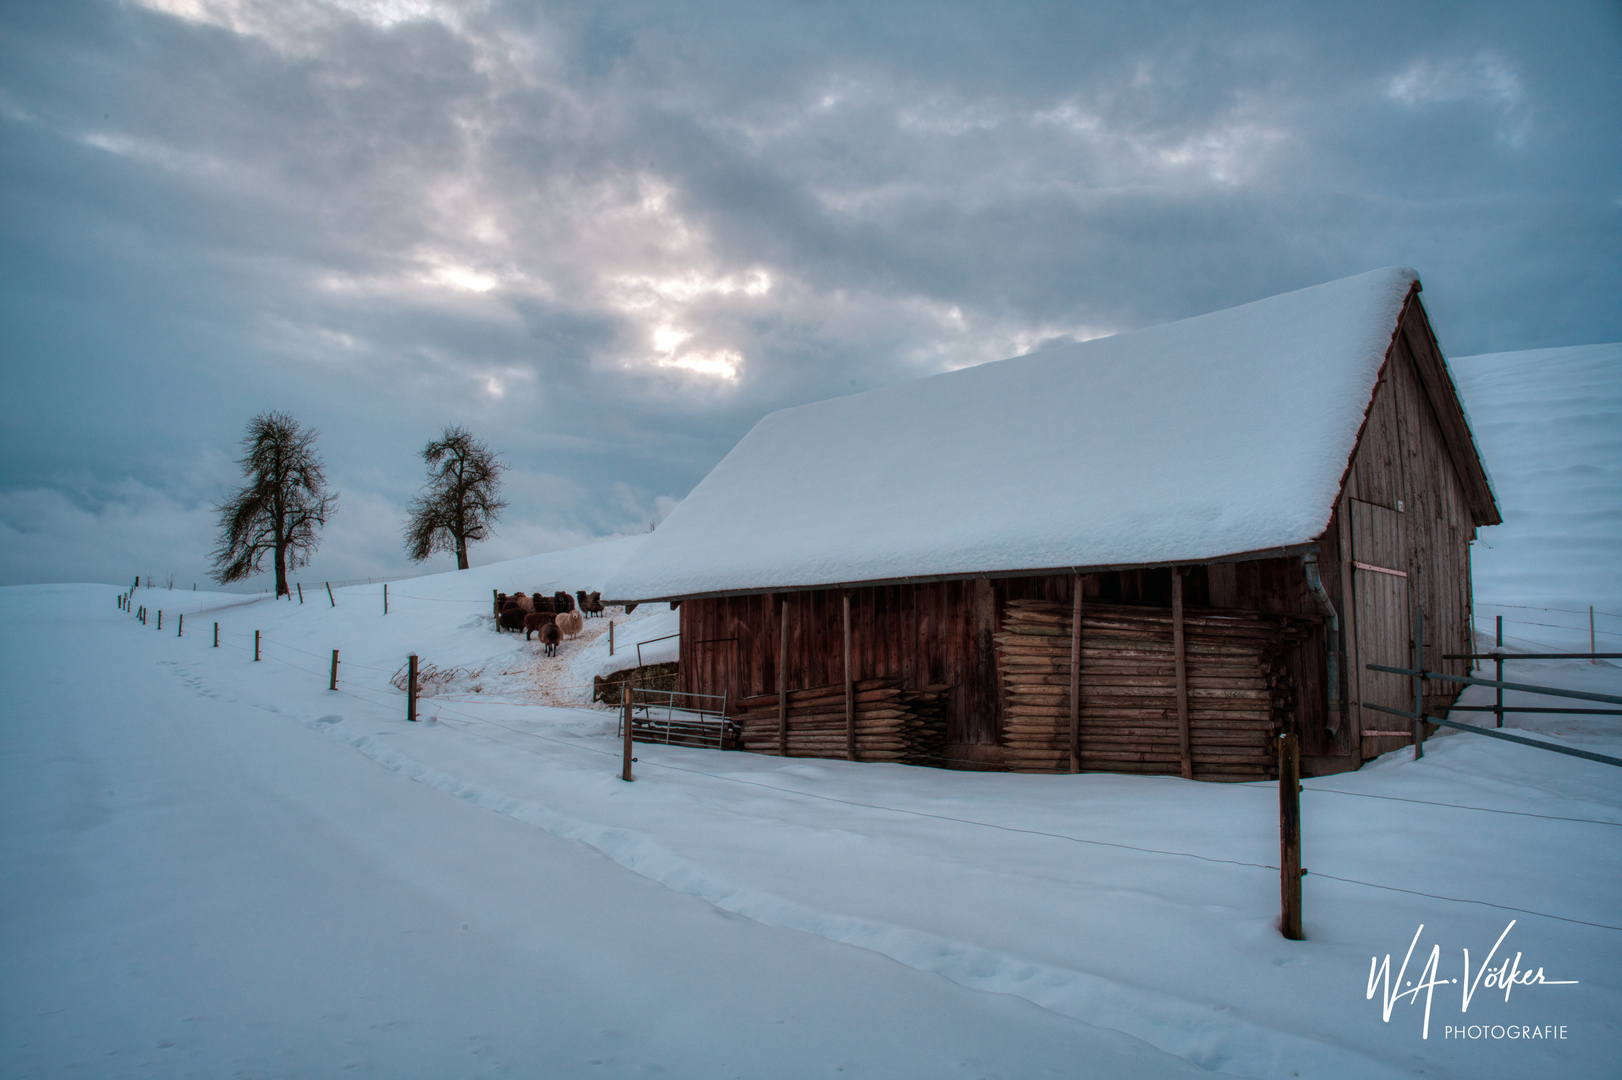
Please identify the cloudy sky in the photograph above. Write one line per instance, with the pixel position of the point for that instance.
(609, 237)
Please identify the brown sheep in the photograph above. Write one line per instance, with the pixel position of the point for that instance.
(512, 617)
(550, 636)
(537, 621)
(525, 603)
(571, 623)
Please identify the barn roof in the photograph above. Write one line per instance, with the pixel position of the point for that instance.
(1212, 437)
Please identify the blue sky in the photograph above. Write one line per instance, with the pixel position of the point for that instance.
(608, 238)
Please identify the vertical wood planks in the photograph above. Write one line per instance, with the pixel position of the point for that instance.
(850, 685)
(782, 678)
(1075, 673)
(1180, 669)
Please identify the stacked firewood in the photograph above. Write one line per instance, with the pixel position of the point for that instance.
(1240, 692)
(892, 723)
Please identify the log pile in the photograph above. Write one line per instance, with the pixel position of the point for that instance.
(892, 723)
(1240, 691)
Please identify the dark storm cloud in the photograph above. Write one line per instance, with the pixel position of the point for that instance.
(609, 237)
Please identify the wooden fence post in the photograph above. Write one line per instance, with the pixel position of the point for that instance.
(1419, 682)
(1289, 836)
(256, 646)
(160, 618)
(330, 600)
(300, 587)
(411, 688)
(625, 722)
(333, 683)
(610, 637)
(180, 625)
(385, 598)
(216, 635)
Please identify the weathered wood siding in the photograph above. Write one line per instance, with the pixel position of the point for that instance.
(1403, 506)
(932, 633)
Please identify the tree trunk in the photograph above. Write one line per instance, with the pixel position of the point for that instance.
(461, 553)
(281, 571)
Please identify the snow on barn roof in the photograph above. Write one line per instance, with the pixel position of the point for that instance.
(1214, 436)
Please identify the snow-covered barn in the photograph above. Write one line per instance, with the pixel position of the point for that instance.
(1147, 553)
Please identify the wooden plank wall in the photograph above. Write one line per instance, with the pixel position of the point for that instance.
(936, 633)
(941, 633)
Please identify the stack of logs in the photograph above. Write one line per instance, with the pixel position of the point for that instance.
(892, 723)
(1240, 692)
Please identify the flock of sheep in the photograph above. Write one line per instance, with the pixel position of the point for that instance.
(550, 618)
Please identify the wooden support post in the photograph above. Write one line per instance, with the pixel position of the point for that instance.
(180, 625)
(332, 684)
(782, 678)
(1180, 662)
(1419, 682)
(160, 618)
(610, 637)
(1289, 836)
(330, 600)
(256, 646)
(850, 688)
(1498, 701)
(300, 587)
(1591, 648)
(385, 598)
(625, 722)
(1075, 674)
(216, 635)
(411, 687)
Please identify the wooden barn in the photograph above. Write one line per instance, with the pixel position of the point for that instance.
(1146, 553)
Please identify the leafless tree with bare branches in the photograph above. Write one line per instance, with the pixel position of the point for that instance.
(461, 500)
(281, 509)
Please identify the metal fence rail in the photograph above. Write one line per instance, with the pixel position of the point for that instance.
(701, 719)
(1419, 676)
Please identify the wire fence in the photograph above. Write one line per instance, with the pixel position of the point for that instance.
(389, 697)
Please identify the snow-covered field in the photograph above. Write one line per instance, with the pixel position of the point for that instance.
(1549, 423)
(216, 867)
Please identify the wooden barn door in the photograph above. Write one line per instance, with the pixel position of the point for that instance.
(1380, 594)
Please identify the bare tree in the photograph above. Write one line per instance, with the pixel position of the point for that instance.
(282, 507)
(461, 499)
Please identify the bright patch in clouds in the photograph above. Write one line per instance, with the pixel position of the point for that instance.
(723, 364)
(461, 277)
(1484, 78)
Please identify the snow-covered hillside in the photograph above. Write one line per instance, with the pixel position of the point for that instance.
(214, 866)
(1549, 423)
